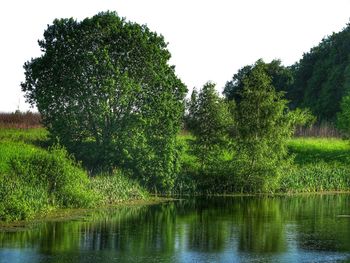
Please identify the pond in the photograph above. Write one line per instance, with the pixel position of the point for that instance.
(305, 228)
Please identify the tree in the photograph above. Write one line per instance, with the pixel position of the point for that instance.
(264, 124)
(281, 78)
(191, 110)
(106, 83)
(343, 117)
(321, 77)
(210, 123)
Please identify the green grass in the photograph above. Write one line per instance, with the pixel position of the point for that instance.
(328, 150)
(30, 136)
(320, 164)
(35, 180)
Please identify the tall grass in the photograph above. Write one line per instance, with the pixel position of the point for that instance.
(35, 180)
(117, 187)
(316, 177)
(313, 150)
(320, 130)
(320, 164)
(20, 120)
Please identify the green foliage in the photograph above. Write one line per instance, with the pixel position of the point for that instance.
(343, 117)
(281, 78)
(117, 187)
(191, 108)
(322, 76)
(210, 121)
(263, 125)
(104, 86)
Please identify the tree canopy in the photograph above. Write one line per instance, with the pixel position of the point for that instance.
(281, 78)
(209, 121)
(322, 76)
(106, 82)
(264, 124)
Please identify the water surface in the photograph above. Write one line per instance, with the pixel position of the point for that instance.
(312, 228)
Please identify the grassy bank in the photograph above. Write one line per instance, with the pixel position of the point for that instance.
(36, 180)
(320, 164)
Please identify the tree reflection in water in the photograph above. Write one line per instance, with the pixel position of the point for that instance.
(205, 228)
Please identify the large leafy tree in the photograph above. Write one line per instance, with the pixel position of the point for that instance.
(106, 83)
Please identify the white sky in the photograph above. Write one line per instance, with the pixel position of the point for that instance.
(208, 39)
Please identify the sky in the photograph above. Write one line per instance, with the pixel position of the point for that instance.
(209, 39)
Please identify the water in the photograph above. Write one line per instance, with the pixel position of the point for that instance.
(313, 228)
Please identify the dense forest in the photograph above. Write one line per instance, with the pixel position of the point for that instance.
(318, 81)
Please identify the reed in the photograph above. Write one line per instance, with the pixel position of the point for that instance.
(320, 130)
(20, 120)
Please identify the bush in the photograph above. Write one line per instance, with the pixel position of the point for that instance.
(343, 116)
(263, 126)
(210, 121)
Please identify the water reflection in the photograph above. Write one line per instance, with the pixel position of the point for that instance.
(230, 229)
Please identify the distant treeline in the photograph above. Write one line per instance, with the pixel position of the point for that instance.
(20, 120)
(318, 81)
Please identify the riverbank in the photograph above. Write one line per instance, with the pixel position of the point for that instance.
(319, 165)
(73, 214)
(37, 180)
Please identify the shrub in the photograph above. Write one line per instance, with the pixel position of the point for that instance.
(343, 116)
(209, 123)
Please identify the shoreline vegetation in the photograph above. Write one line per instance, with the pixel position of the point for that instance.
(67, 214)
(320, 165)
